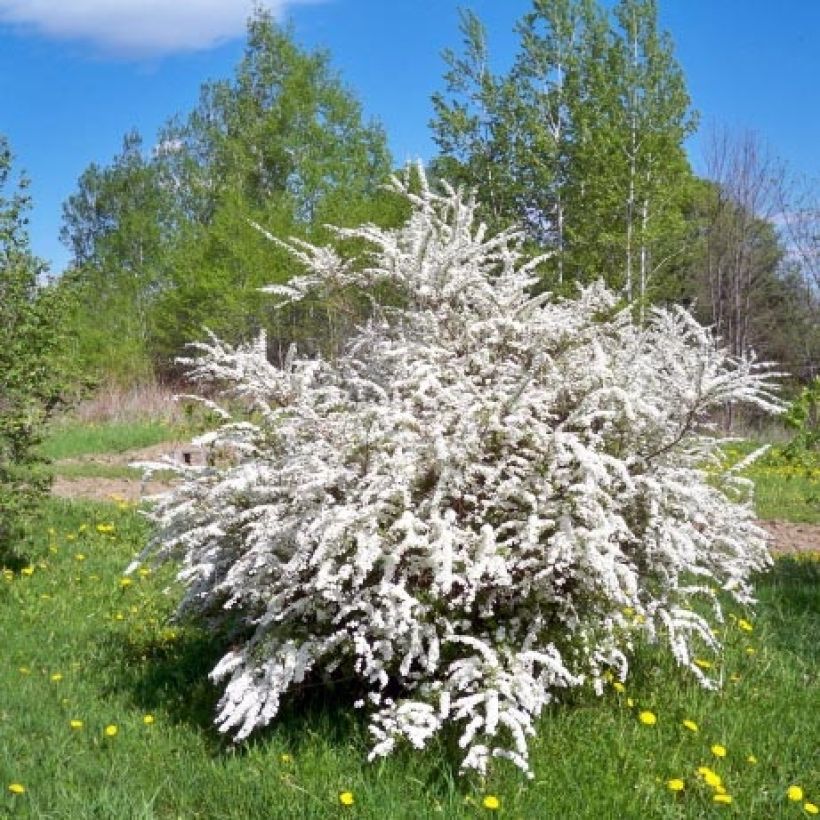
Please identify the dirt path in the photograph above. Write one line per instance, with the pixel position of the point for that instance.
(786, 536)
(121, 489)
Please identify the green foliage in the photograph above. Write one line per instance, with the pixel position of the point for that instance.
(803, 416)
(165, 245)
(581, 142)
(30, 384)
(117, 661)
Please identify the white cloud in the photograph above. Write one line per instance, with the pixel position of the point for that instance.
(137, 27)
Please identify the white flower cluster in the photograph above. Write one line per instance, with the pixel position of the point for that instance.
(459, 512)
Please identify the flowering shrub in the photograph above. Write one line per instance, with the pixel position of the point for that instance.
(475, 506)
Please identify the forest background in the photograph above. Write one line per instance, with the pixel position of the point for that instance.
(581, 141)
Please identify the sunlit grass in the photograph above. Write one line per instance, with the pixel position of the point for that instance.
(71, 439)
(79, 644)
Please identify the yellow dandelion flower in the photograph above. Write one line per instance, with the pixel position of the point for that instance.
(105, 528)
(724, 799)
(111, 730)
(751, 759)
(734, 678)
(82, 528)
(79, 557)
(744, 625)
(750, 650)
(144, 572)
(710, 778)
(148, 719)
(56, 677)
(119, 616)
(647, 718)
(675, 784)
(285, 758)
(618, 686)
(628, 611)
(346, 798)
(703, 663)
(718, 750)
(24, 670)
(719, 789)
(640, 619)
(794, 793)
(690, 725)
(126, 582)
(75, 724)
(811, 808)
(491, 802)
(630, 702)
(17, 788)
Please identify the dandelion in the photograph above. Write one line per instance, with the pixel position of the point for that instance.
(148, 719)
(126, 582)
(491, 802)
(750, 650)
(75, 724)
(618, 686)
(79, 557)
(752, 760)
(29, 570)
(630, 702)
(811, 808)
(734, 678)
(794, 793)
(710, 778)
(24, 670)
(111, 730)
(724, 799)
(17, 788)
(718, 750)
(105, 528)
(675, 784)
(744, 625)
(647, 718)
(346, 798)
(703, 664)
(286, 759)
(144, 572)
(690, 725)
(56, 677)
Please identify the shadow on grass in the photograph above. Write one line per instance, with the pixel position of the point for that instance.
(789, 596)
(172, 677)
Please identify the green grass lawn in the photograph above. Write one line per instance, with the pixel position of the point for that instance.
(78, 645)
(70, 439)
(785, 489)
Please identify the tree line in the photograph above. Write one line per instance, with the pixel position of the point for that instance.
(581, 142)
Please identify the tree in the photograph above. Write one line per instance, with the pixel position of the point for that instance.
(455, 515)
(29, 377)
(475, 126)
(118, 226)
(164, 244)
(582, 142)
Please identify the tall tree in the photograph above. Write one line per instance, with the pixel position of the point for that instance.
(118, 227)
(582, 141)
(165, 243)
(476, 126)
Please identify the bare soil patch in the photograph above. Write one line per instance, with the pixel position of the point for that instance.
(123, 489)
(790, 537)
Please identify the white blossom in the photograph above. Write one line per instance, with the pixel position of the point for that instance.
(456, 511)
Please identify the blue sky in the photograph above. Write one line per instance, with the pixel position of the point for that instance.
(77, 74)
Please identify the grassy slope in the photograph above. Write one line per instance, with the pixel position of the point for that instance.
(119, 661)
